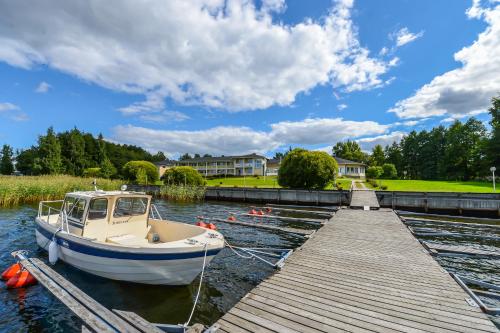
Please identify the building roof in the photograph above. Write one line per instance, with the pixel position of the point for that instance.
(273, 161)
(344, 161)
(219, 158)
(165, 163)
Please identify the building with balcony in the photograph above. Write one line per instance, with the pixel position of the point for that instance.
(244, 165)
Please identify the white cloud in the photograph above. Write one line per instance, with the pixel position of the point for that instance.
(13, 112)
(4, 107)
(367, 144)
(341, 107)
(43, 87)
(404, 36)
(226, 140)
(223, 54)
(164, 117)
(468, 88)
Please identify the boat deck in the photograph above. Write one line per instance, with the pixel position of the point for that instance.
(363, 271)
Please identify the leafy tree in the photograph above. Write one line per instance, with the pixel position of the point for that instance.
(394, 156)
(184, 157)
(6, 165)
(374, 172)
(493, 145)
(378, 156)
(350, 150)
(49, 154)
(307, 169)
(107, 169)
(92, 172)
(134, 169)
(389, 171)
(197, 155)
(278, 155)
(159, 157)
(182, 175)
(25, 161)
(207, 155)
(73, 153)
(141, 177)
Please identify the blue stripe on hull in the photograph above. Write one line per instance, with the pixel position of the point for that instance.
(107, 253)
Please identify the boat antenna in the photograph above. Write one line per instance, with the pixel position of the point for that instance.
(95, 184)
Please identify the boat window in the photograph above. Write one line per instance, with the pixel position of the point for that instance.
(98, 209)
(74, 207)
(130, 206)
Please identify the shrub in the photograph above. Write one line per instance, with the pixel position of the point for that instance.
(92, 172)
(374, 172)
(307, 169)
(383, 187)
(389, 171)
(149, 173)
(183, 175)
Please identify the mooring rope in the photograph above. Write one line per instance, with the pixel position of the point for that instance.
(186, 324)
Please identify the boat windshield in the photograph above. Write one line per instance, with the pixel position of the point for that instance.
(74, 207)
(129, 206)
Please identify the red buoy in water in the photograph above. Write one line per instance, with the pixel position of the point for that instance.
(268, 209)
(260, 212)
(21, 279)
(252, 212)
(231, 218)
(201, 224)
(11, 271)
(211, 226)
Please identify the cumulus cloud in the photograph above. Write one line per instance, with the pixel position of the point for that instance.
(225, 54)
(43, 87)
(227, 140)
(12, 112)
(404, 36)
(368, 143)
(164, 117)
(469, 88)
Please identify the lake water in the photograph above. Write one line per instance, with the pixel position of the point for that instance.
(227, 279)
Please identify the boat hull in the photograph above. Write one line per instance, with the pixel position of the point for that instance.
(158, 268)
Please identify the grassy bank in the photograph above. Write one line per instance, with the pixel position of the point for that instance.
(261, 181)
(435, 186)
(182, 193)
(28, 189)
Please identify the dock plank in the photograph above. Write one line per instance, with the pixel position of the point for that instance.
(362, 271)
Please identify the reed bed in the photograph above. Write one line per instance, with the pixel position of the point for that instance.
(31, 189)
(183, 193)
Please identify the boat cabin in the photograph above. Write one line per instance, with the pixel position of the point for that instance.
(106, 216)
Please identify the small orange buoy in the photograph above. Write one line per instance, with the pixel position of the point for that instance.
(252, 212)
(211, 226)
(268, 209)
(231, 218)
(260, 212)
(21, 279)
(201, 224)
(11, 271)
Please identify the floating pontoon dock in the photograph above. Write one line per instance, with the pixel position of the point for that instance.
(363, 271)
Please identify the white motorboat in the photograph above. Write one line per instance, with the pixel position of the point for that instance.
(120, 235)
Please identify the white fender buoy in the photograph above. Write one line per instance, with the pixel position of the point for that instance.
(53, 252)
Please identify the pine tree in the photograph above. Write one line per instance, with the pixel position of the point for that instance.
(49, 150)
(378, 157)
(6, 165)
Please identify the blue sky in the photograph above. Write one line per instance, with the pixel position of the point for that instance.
(231, 77)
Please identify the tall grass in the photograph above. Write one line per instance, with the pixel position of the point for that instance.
(182, 193)
(30, 189)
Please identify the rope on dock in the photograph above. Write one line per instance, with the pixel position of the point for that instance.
(252, 254)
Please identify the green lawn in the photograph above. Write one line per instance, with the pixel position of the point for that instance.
(269, 181)
(435, 186)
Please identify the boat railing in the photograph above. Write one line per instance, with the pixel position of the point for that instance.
(45, 208)
(154, 213)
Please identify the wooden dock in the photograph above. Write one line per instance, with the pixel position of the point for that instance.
(453, 250)
(363, 271)
(364, 199)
